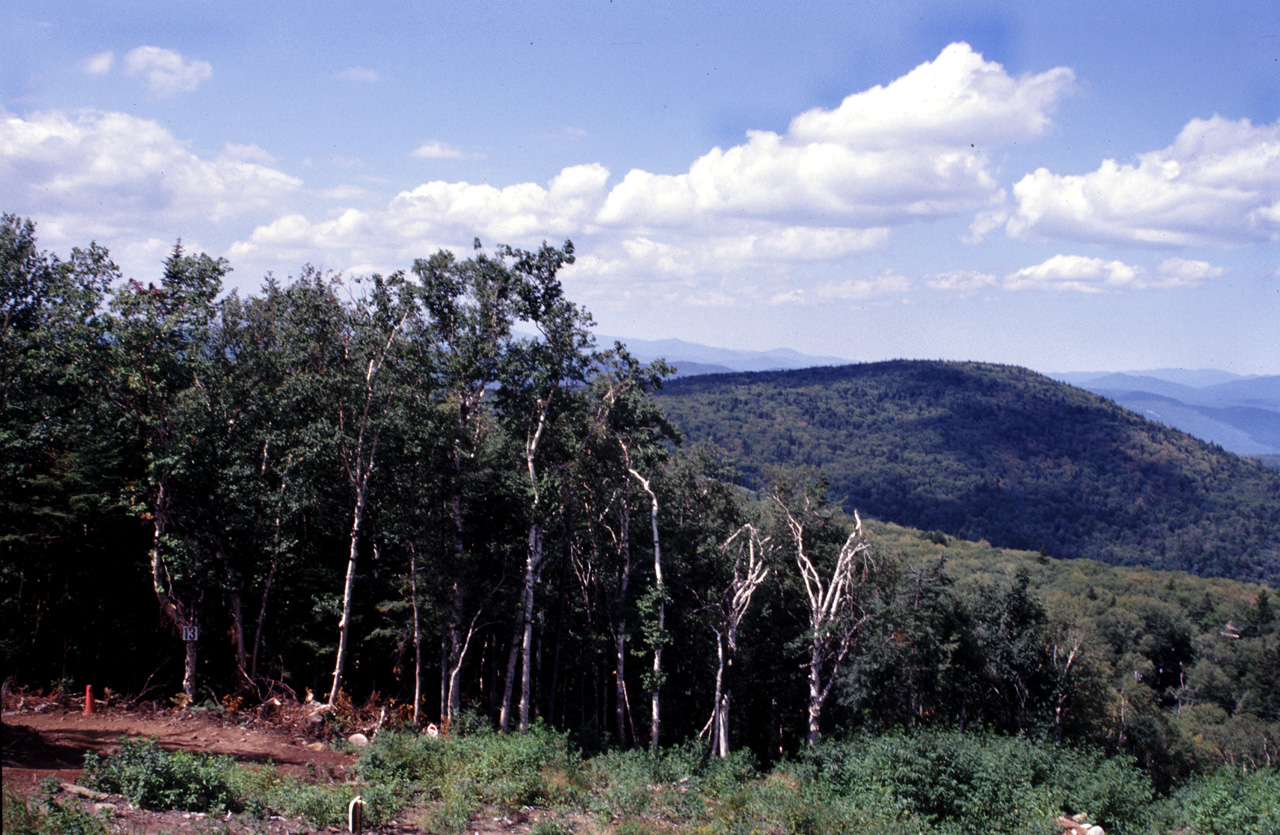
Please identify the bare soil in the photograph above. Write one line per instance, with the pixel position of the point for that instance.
(49, 736)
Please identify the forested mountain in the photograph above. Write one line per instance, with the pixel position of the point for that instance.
(998, 453)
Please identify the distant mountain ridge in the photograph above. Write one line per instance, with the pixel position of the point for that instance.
(999, 453)
(690, 358)
(1241, 414)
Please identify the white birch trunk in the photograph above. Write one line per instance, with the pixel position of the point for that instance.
(344, 624)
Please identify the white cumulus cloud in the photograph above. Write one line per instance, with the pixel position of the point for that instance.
(99, 64)
(1217, 184)
(964, 282)
(956, 100)
(439, 213)
(914, 148)
(164, 71)
(115, 172)
(768, 210)
(1181, 272)
(1078, 273)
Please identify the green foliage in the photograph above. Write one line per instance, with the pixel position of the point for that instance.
(319, 804)
(510, 771)
(669, 787)
(48, 817)
(1229, 801)
(237, 436)
(152, 778)
(980, 782)
(547, 826)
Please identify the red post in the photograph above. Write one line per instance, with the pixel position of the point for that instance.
(88, 700)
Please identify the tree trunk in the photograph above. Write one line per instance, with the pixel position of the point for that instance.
(275, 561)
(235, 591)
(168, 602)
(620, 630)
(720, 706)
(655, 712)
(417, 634)
(508, 686)
(533, 567)
(555, 660)
(189, 667)
(620, 682)
(453, 632)
(816, 696)
(237, 624)
(344, 625)
(262, 618)
(655, 707)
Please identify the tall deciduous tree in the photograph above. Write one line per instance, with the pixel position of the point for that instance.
(751, 553)
(375, 346)
(538, 375)
(159, 340)
(470, 306)
(53, 432)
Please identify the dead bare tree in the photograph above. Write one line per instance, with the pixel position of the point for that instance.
(749, 571)
(835, 612)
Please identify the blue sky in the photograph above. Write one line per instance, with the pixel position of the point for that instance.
(1071, 186)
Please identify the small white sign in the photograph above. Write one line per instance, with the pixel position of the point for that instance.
(190, 632)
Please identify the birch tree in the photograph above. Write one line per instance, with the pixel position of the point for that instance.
(750, 569)
(374, 349)
(538, 374)
(832, 582)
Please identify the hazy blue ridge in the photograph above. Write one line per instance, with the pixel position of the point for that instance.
(691, 358)
(1240, 414)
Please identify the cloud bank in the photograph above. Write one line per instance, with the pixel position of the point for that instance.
(781, 218)
(115, 175)
(834, 184)
(1218, 184)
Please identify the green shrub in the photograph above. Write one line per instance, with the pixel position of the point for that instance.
(547, 826)
(319, 805)
(1230, 801)
(152, 778)
(21, 817)
(970, 782)
(536, 767)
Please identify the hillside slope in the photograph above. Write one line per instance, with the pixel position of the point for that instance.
(998, 453)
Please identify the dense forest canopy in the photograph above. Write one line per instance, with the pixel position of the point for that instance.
(998, 453)
(375, 487)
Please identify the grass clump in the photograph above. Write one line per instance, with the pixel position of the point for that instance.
(459, 774)
(151, 778)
